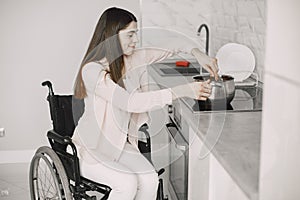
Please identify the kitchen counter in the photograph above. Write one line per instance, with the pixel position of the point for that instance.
(232, 137)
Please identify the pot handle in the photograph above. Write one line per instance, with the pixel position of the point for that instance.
(253, 75)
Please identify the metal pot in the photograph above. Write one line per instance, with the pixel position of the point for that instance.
(222, 91)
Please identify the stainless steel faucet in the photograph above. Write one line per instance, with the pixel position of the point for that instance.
(207, 36)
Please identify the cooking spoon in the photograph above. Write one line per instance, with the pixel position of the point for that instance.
(215, 82)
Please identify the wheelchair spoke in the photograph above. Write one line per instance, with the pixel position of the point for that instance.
(47, 187)
(46, 183)
(48, 180)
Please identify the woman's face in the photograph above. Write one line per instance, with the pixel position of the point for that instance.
(128, 38)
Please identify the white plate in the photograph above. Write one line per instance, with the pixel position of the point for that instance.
(236, 60)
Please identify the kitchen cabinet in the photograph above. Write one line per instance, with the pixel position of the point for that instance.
(231, 170)
(208, 180)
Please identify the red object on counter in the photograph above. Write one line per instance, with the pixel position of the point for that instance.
(182, 63)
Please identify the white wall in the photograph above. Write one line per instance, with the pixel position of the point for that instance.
(280, 142)
(40, 40)
(239, 21)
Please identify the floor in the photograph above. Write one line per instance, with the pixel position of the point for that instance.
(14, 183)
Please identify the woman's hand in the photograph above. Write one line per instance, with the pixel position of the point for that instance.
(209, 63)
(195, 90)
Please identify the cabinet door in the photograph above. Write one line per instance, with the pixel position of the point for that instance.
(222, 185)
(198, 169)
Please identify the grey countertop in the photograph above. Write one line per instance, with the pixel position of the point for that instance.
(232, 137)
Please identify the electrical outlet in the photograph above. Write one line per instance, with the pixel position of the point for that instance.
(2, 132)
(4, 193)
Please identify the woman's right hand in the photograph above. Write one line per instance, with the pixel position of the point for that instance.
(195, 90)
(208, 63)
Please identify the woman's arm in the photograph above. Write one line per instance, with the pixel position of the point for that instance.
(138, 102)
(134, 102)
(209, 63)
(146, 56)
(149, 55)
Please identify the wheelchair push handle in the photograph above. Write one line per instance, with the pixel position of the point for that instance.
(49, 85)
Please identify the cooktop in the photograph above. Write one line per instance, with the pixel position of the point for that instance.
(247, 98)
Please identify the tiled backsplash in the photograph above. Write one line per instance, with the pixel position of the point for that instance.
(239, 21)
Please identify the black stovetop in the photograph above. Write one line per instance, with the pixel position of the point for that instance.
(247, 98)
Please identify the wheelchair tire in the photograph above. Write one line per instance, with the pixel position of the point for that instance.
(47, 177)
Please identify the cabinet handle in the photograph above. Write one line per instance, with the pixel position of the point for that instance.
(180, 147)
(171, 124)
(179, 141)
(170, 109)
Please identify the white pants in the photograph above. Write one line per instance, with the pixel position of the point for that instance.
(131, 178)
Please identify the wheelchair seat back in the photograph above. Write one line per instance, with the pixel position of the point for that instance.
(65, 111)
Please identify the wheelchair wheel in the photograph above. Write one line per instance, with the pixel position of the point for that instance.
(47, 177)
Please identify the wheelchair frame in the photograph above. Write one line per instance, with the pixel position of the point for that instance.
(54, 172)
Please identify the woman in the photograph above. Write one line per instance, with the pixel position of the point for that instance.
(113, 82)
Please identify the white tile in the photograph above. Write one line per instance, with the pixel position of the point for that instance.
(248, 8)
(217, 4)
(259, 25)
(230, 7)
(229, 20)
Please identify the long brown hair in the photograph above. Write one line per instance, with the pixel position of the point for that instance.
(105, 43)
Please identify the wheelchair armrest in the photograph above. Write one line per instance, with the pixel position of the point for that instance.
(58, 138)
(64, 140)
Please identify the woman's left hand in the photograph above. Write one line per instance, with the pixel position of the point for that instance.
(209, 63)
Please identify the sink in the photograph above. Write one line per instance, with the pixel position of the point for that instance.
(180, 71)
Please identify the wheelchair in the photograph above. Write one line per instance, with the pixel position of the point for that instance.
(55, 171)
